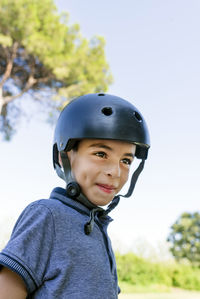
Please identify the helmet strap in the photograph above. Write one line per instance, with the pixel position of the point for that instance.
(66, 167)
(134, 179)
(59, 172)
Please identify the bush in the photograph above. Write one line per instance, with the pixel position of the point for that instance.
(186, 277)
(138, 271)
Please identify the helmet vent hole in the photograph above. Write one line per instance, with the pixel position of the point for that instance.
(137, 116)
(107, 111)
(101, 94)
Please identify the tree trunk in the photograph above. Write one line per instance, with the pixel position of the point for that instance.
(1, 100)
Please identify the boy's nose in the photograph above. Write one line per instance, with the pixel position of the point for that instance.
(113, 170)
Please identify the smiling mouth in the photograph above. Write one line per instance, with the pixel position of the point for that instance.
(106, 188)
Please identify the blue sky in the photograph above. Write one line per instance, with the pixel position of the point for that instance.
(153, 49)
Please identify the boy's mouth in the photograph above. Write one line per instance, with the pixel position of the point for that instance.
(106, 188)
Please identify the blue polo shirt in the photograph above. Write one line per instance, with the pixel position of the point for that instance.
(49, 249)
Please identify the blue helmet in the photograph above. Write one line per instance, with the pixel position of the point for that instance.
(101, 116)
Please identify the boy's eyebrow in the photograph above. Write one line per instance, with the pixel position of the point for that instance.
(129, 155)
(101, 145)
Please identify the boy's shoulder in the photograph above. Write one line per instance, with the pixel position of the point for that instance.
(58, 205)
(46, 215)
(49, 206)
(47, 203)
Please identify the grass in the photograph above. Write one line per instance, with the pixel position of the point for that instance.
(171, 294)
(154, 288)
(154, 291)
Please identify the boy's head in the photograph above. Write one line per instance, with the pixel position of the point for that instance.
(97, 137)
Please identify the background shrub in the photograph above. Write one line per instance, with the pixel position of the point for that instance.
(138, 271)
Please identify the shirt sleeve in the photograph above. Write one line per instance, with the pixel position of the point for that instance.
(29, 249)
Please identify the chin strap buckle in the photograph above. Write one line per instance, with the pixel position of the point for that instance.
(73, 190)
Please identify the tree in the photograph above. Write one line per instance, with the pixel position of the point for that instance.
(43, 57)
(185, 238)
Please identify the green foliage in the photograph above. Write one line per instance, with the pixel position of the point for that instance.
(186, 277)
(138, 271)
(142, 274)
(185, 238)
(40, 51)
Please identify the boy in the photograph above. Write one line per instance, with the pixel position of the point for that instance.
(59, 247)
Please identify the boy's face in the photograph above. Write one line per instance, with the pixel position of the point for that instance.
(101, 168)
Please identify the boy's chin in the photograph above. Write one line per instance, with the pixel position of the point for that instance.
(101, 202)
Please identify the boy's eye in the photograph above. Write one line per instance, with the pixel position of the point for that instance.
(100, 154)
(127, 161)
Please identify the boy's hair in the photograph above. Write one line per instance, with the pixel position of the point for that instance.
(76, 145)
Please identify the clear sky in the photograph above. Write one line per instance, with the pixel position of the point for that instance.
(153, 49)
